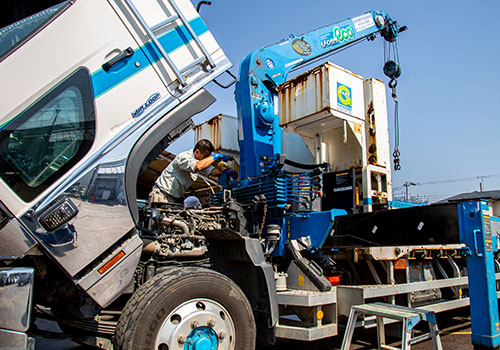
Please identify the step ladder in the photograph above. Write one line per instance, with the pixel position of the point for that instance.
(409, 316)
(179, 73)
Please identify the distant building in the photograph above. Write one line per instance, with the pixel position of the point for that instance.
(492, 196)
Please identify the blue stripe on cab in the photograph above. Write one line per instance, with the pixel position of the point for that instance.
(146, 55)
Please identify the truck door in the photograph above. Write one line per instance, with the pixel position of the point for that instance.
(72, 93)
(176, 40)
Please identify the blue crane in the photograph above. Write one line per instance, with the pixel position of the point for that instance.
(266, 68)
(261, 72)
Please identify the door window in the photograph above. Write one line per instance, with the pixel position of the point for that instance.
(48, 138)
(13, 35)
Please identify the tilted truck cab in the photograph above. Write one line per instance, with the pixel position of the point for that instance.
(86, 83)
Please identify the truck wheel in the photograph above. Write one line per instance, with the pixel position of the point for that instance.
(187, 308)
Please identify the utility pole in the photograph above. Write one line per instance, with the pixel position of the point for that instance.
(406, 185)
(481, 178)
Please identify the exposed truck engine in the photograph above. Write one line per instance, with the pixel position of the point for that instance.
(174, 232)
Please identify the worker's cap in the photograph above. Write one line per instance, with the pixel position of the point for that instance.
(192, 202)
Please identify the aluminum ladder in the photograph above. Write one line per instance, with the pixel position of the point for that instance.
(409, 316)
(179, 73)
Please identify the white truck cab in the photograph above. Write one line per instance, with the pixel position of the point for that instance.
(90, 89)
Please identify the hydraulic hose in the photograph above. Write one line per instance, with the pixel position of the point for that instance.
(305, 166)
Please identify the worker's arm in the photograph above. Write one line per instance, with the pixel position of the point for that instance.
(203, 164)
(206, 162)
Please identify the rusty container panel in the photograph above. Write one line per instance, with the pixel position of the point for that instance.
(317, 99)
(221, 130)
(377, 127)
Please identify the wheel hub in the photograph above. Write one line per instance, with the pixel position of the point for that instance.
(197, 324)
(202, 338)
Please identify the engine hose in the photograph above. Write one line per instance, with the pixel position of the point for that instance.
(207, 211)
(192, 253)
(171, 235)
(180, 224)
(204, 218)
(171, 211)
(184, 236)
(154, 248)
(193, 225)
(305, 166)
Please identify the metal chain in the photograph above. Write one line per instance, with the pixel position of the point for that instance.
(396, 154)
(263, 221)
(391, 53)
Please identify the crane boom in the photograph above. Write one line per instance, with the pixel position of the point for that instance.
(266, 68)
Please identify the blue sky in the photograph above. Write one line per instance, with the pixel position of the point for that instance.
(449, 101)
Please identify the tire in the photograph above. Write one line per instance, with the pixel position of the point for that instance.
(187, 308)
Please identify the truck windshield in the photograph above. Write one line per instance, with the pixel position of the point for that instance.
(14, 33)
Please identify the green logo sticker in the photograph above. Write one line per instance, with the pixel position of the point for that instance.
(337, 35)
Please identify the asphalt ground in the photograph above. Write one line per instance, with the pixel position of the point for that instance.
(454, 326)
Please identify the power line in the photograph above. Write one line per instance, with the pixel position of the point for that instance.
(437, 182)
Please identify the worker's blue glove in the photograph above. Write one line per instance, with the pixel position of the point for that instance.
(219, 156)
(233, 174)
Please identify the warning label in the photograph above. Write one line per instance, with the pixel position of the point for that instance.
(363, 22)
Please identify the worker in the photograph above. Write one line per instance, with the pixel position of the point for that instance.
(183, 171)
